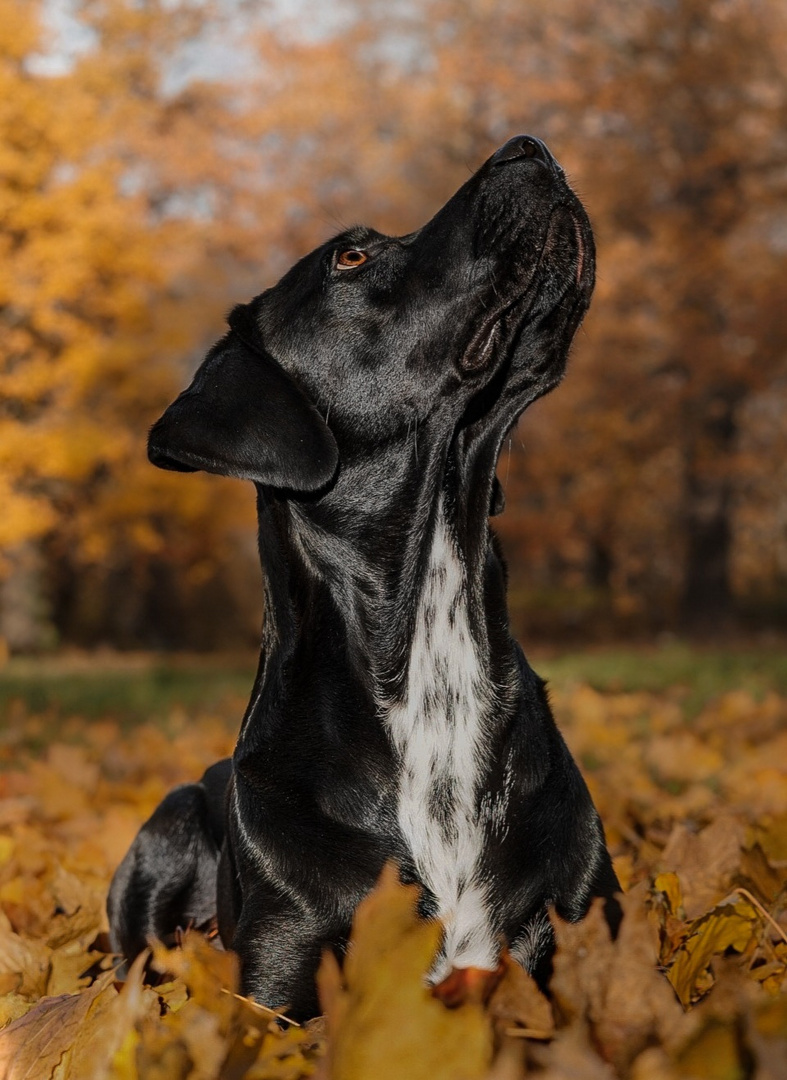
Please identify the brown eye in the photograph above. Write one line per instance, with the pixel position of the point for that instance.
(349, 259)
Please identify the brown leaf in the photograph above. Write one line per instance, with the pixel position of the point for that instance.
(669, 884)
(667, 905)
(27, 959)
(32, 1047)
(771, 834)
(706, 862)
(383, 1021)
(616, 985)
(67, 969)
(81, 910)
(286, 1055)
(206, 971)
(757, 873)
(571, 1056)
(518, 1001)
(217, 1031)
(199, 1032)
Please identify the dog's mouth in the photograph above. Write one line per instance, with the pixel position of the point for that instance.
(481, 350)
(505, 319)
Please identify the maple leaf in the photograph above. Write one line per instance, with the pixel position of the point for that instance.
(615, 986)
(731, 925)
(69, 1036)
(382, 1018)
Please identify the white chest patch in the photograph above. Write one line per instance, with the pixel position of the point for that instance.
(438, 731)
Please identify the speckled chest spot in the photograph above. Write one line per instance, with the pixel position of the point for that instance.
(438, 730)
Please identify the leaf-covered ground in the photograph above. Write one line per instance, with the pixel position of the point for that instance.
(693, 794)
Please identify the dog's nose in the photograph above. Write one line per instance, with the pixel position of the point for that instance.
(522, 147)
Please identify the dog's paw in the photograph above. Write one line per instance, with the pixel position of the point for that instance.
(470, 984)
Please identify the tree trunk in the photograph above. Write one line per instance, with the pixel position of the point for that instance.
(707, 600)
(25, 618)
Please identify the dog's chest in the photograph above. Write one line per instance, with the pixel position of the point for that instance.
(438, 730)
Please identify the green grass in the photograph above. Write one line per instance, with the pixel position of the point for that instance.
(702, 672)
(128, 689)
(135, 688)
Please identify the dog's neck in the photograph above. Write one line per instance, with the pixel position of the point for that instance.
(389, 594)
(367, 546)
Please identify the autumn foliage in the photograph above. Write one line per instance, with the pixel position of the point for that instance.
(694, 798)
(147, 183)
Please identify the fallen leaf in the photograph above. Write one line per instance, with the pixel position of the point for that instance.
(29, 960)
(12, 1006)
(68, 967)
(32, 1047)
(215, 1031)
(682, 756)
(382, 1019)
(571, 1056)
(614, 1010)
(706, 862)
(615, 986)
(730, 925)
(759, 875)
(518, 1001)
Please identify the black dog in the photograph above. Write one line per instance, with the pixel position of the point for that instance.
(367, 395)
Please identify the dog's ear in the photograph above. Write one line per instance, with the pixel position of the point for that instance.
(244, 416)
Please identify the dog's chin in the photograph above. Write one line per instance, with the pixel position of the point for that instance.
(565, 266)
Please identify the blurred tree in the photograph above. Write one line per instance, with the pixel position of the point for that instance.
(103, 178)
(692, 180)
(137, 201)
(671, 118)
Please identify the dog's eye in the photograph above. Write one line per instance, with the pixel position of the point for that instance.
(347, 260)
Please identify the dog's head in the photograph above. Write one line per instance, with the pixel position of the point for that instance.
(469, 319)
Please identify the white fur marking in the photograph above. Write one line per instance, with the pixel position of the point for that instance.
(438, 731)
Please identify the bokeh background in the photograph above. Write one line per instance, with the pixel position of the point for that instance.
(163, 159)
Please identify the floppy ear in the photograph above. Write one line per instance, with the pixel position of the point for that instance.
(244, 416)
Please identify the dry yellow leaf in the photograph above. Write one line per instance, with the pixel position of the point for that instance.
(382, 1019)
(29, 959)
(731, 925)
(615, 986)
(12, 1006)
(669, 884)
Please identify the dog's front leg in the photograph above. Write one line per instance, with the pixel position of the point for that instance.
(281, 944)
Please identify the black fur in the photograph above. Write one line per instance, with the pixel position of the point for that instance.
(357, 400)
